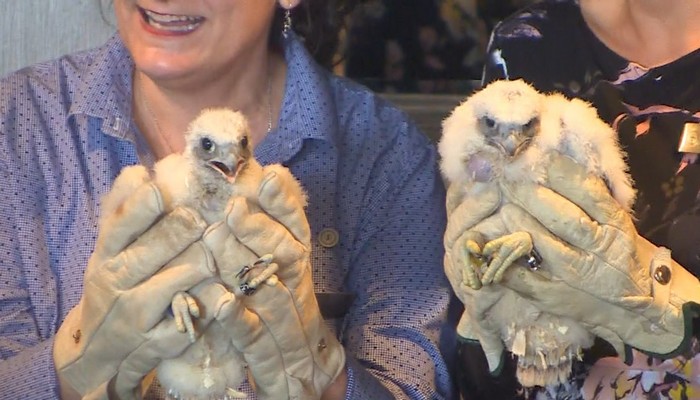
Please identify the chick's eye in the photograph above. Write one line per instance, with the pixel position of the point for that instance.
(531, 123)
(489, 122)
(207, 144)
(244, 142)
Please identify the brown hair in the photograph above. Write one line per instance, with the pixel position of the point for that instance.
(318, 23)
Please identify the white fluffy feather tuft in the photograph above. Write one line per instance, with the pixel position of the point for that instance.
(593, 143)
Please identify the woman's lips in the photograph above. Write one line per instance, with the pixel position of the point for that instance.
(170, 24)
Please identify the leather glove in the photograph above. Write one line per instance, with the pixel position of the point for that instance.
(603, 274)
(279, 329)
(468, 209)
(117, 333)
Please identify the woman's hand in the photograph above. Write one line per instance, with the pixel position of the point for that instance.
(279, 328)
(596, 267)
(119, 330)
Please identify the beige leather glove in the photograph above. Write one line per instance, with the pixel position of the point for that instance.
(117, 333)
(279, 329)
(603, 274)
(469, 208)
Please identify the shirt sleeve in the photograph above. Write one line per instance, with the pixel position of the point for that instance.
(26, 354)
(402, 292)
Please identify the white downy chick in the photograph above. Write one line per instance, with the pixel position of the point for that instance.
(217, 163)
(503, 132)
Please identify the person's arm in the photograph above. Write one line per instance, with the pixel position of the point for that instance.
(26, 364)
(393, 329)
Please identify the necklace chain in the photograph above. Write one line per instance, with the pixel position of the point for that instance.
(150, 112)
(159, 130)
(269, 102)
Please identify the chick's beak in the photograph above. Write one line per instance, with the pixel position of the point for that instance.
(229, 167)
(515, 142)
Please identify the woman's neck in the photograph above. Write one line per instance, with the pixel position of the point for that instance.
(163, 111)
(648, 32)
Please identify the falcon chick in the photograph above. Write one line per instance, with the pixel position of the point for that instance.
(216, 165)
(503, 132)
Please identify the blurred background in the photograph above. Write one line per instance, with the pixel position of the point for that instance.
(424, 55)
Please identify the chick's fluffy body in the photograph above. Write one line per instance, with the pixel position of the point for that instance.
(216, 165)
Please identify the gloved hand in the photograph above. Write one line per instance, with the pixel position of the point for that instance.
(117, 333)
(603, 274)
(279, 329)
(469, 208)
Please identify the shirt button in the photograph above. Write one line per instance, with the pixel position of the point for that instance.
(328, 237)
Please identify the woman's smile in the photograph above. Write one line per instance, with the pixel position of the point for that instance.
(169, 24)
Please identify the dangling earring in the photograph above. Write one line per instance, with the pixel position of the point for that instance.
(287, 24)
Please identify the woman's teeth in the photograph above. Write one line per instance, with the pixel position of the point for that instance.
(172, 23)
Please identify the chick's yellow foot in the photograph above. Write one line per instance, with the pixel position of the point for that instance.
(184, 307)
(473, 262)
(503, 252)
(251, 276)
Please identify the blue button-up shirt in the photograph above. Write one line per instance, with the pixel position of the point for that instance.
(66, 132)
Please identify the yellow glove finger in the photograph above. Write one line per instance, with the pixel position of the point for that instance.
(562, 259)
(149, 300)
(264, 235)
(230, 254)
(590, 193)
(124, 221)
(559, 215)
(152, 249)
(282, 197)
(473, 208)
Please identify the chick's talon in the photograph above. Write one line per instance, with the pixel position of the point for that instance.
(232, 393)
(503, 252)
(262, 270)
(184, 307)
(473, 263)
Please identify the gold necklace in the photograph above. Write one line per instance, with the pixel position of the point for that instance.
(150, 112)
(269, 101)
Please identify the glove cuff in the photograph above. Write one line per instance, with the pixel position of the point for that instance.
(68, 354)
(329, 357)
(675, 301)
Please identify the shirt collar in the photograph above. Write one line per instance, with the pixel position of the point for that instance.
(308, 109)
(105, 88)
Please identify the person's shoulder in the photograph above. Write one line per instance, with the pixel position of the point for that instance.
(374, 132)
(376, 116)
(53, 79)
(539, 21)
(545, 43)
